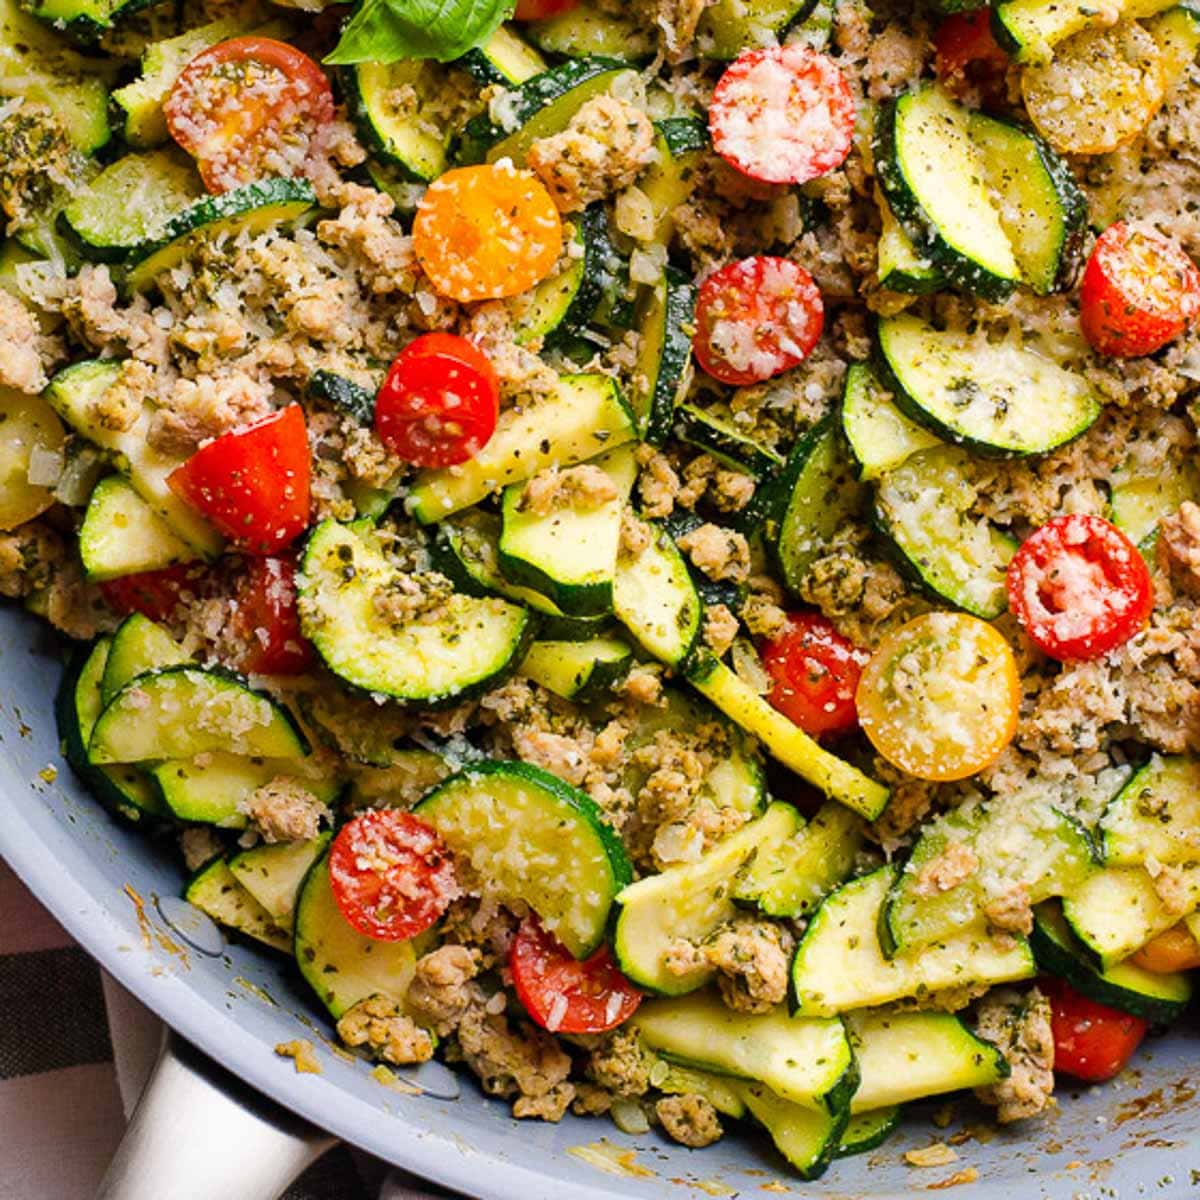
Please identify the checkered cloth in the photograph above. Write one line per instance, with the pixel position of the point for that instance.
(75, 1053)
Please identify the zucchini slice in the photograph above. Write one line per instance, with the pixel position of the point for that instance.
(569, 553)
(122, 535)
(809, 1138)
(881, 437)
(529, 836)
(790, 879)
(341, 965)
(995, 399)
(1138, 502)
(466, 549)
(466, 646)
(216, 891)
(680, 145)
(1041, 208)
(347, 396)
(901, 266)
(251, 209)
(689, 902)
(123, 789)
(931, 175)
(1126, 987)
(129, 203)
(1155, 817)
(578, 670)
(869, 1130)
(210, 792)
(655, 599)
(391, 105)
(183, 711)
(587, 30)
(86, 21)
(722, 1093)
(73, 393)
(807, 1060)
(662, 373)
(728, 27)
(273, 874)
(1030, 846)
(1030, 29)
(539, 107)
(1116, 911)
(587, 415)
(505, 58)
(410, 771)
(838, 965)
(837, 778)
(814, 496)
(905, 1056)
(923, 508)
(139, 645)
(721, 438)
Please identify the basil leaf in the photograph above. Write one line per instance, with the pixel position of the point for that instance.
(386, 31)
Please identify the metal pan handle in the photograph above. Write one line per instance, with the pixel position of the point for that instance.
(199, 1133)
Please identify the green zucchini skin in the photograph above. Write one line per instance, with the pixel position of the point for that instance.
(664, 315)
(725, 442)
(348, 397)
(413, 152)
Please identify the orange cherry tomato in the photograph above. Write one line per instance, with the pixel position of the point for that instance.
(939, 698)
(1174, 949)
(249, 108)
(485, 232)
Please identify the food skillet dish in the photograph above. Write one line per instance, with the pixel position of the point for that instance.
(651, 547)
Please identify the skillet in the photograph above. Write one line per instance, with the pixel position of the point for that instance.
(206, 1135)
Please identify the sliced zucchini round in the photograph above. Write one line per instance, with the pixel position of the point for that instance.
(578, 670)
(272, 874)
(809, 1138)
(138, 645)
(505, 58)
(869, 1130)
(122, 535)
(997, 399)
(721, 438)
(216, 891)
(526, 835)
(881, 437)
(664, 316)
(586, 30)
(390, 104)
(347, 396)
(727, 27)
(470, 644)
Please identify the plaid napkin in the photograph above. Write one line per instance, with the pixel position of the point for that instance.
(75, 1052)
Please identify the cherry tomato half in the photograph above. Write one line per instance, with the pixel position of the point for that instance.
(1139, 291)
(968, 56)
(782, 114)
(252, 483)
(1079, 587)
(756, 319)
(1091, 1041)
(159, 595)
(539, 10)
(561, 993)
(391, 874)
(815, 672)
(939, 698)
(1174, 949)
(266, 621)
(248, 108)
(439, 403)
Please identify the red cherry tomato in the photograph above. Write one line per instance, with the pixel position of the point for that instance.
(158, 595)
(561, 993)
(782, 114)
(1140, 290)
(815, 672)
(539, 10)
(248, 108)
(391, 874)
(1091, 1041)
(756, 319)
(266, 621)
(968, 56)
(1079, 587)
(252, 483)
(439, 403)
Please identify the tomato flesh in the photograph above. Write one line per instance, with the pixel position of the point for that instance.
(1139, 291)
(1172, 950)
(392, 875)
(248, 108)
(439, 403)
(267, 622)
(782, 114)
(539, 10)
(1079, 587)
(815, 672)
(252, 483)
(158, 595)
(968, 56)
(756, 318)
(1092, 1042)
(561, 993)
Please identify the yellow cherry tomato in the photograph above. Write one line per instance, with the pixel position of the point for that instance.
(940, 696)
(1173, 950)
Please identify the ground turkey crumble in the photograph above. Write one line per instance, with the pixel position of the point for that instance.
(1019, 1024)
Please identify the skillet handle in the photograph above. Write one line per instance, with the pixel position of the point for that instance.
(198, 1133)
